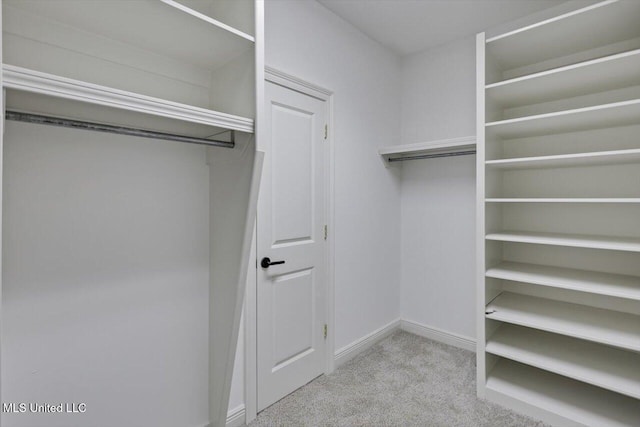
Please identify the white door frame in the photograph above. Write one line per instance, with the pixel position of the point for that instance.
(250, 313)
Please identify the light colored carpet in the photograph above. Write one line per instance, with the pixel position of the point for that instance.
(405, 380)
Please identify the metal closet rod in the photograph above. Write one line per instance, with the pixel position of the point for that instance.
(432, 156)
(99, 127)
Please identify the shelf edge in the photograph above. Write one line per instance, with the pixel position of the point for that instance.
(567, 333)
(565, 241)
(499, 392)
(535, 322)
(555, 370)
(209, 20)
(563, 69)
(24, 79)
(582, 110)
(560, 157)
(441, 144)
(551, 20)
(563, 200)
(558, 283)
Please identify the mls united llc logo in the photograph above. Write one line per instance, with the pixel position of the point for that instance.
(44, 408)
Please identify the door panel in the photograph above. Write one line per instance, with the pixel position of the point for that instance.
(292, 175)
(291, 297)
(293, 316)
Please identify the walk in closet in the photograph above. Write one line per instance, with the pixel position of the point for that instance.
(450, 193)
(130, 179)
(558, 175)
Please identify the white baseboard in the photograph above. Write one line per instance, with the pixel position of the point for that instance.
(349, 351)
(235, 417)
(439, 335)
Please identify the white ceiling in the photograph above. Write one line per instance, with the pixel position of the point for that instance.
(410, 26)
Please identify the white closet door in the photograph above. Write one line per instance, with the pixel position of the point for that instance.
(291, 296)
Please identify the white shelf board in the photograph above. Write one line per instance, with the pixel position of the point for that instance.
(594, 117)
(574, 400)
(607, 327)
(164, 27)
(598, 75)
(568, 160)
(564, 200)
(189, 11)
(22, 79)
(429, 147)
(628, 244)
(616, 285)
(605, 23)
(599, 365)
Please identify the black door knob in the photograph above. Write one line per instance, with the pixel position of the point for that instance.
(266, 262)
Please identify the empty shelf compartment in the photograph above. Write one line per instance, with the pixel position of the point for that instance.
(629, 244)
(616, 285)
(599, 365)
(608, 327)
(571, 399)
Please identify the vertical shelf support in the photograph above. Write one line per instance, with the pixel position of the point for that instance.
(234, 183)
(480, 218)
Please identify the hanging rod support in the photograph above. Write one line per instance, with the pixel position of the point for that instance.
(432, 156)
(99, 127)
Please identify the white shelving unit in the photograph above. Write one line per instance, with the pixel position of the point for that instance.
(599, 365)
(569, 240)
(568, 402)
(558, 223)
(569, 81)
(616, 285)
(588, 323)
(567, 160)
(189, 68)
(599, 116)
(552, 43)
(564, 200)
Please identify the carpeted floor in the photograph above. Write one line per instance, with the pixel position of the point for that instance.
(405, 380)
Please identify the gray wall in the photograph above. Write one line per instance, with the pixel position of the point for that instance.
(105, 278)
(438, 195)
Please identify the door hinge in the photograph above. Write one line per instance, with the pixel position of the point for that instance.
(325, 232)
(325, 331)
(326, 131)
